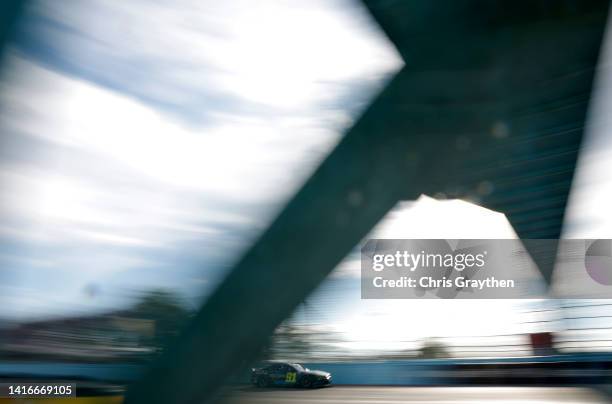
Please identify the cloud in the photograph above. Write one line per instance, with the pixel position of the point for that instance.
(200, 60)
(149, 143)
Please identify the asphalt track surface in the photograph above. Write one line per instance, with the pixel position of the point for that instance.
(429, 395)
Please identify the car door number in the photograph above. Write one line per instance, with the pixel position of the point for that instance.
(290, 377)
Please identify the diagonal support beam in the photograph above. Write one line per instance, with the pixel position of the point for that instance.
(526, 77)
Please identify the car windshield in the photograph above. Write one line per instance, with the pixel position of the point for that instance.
(297, 366)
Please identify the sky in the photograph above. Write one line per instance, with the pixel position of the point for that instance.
(379, 325)
(146, 144)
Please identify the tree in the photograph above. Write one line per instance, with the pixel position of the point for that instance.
(166, 310)
(432, 349)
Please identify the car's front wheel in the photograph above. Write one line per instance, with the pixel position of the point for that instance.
(306, 383)
(262, 381)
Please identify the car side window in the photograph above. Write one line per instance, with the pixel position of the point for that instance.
(287, 368)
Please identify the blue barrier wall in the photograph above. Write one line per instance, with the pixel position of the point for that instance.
(93, 371)
(382, 373)
(579, 368)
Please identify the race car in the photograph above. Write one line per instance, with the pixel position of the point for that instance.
(289, 374)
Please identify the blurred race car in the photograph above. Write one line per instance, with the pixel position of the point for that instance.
(288, 374)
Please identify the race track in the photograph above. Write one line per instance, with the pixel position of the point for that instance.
(432, 395)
